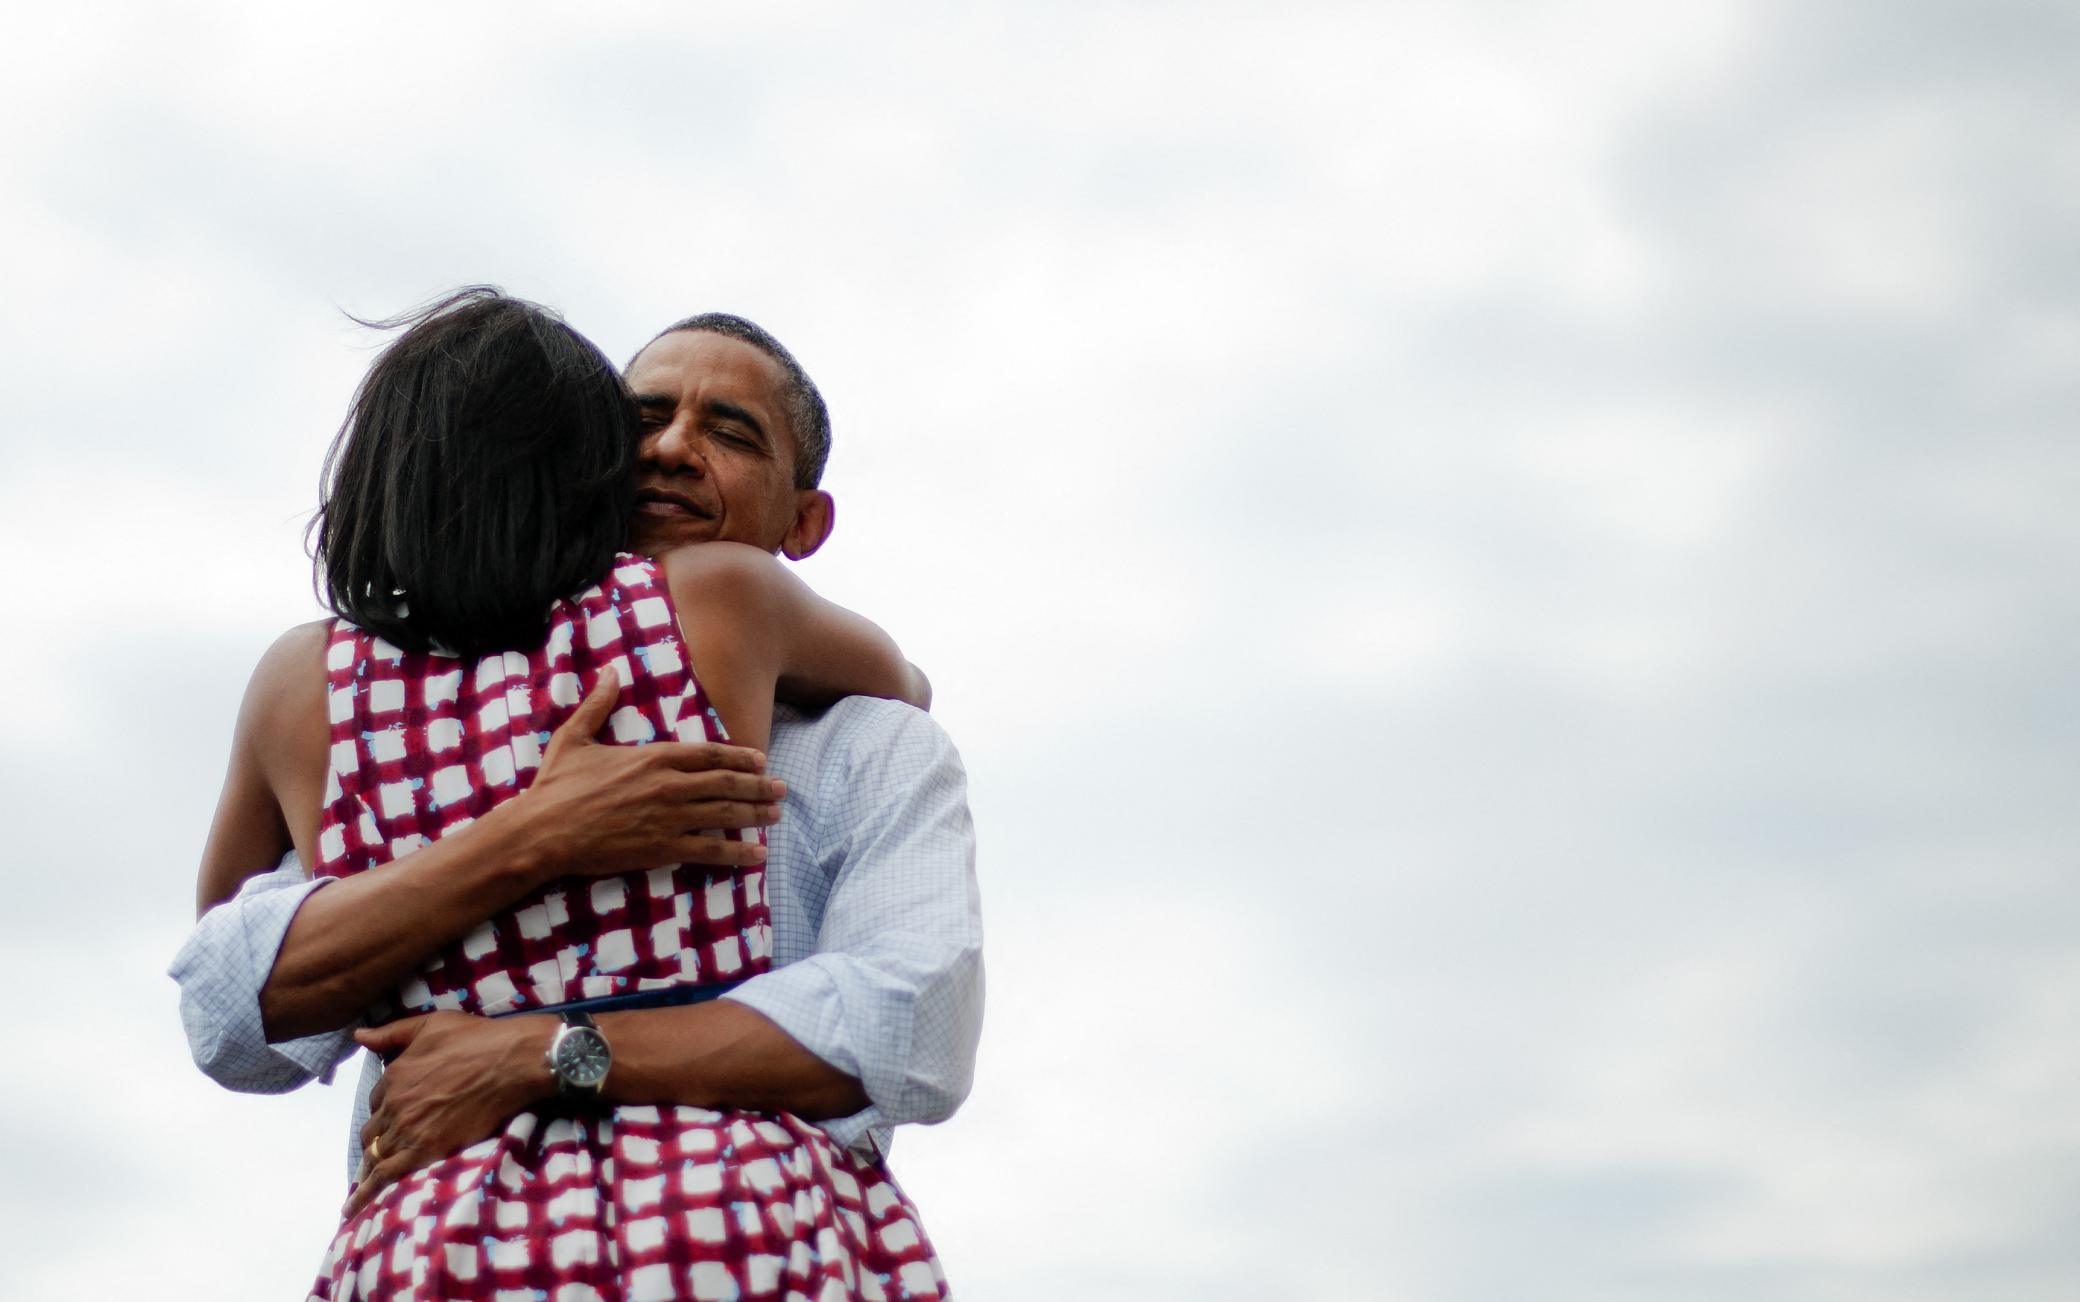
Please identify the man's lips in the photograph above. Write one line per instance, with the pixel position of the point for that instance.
(662, 501)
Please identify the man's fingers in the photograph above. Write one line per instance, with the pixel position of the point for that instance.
(701, 848)
(359, 1198)
(719, 852)
(391, 1038)
(724, 784)
(367, 1187)
(698, 756)
(395, 1159)
(715, 815)
(379, 1177)
(590, 716)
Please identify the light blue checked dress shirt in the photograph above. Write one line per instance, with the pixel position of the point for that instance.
(877, 930)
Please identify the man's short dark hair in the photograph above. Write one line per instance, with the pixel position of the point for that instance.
(806, 414)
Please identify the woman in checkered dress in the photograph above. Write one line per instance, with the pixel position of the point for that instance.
(469, 539)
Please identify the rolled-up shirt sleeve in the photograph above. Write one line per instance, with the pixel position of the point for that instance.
(892, 993)
(222, 969)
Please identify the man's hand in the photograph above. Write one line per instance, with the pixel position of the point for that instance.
(592, 810)
(596, 810)
(454, 1080)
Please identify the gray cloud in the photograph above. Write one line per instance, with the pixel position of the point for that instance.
(1504, 589)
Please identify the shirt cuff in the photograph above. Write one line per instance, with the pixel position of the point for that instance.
(221, 970)
(804, 1000)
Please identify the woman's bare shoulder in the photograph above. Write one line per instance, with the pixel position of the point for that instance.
(722, 560)
(288, 685)
(298, 655)
(302, 642)
(277, 765)
(725, 571)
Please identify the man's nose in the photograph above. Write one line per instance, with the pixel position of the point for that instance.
(675, 448)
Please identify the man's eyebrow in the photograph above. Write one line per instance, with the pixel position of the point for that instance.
(648, 400)
(728, 410)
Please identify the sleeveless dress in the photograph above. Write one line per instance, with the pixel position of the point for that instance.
(629, 1204)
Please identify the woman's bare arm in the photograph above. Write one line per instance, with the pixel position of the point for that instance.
(757, 633)
(277, 760)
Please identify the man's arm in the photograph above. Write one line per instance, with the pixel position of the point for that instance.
(221, 969)
(876, 1027)
(891, 990)
(455, 1078)
(270, 978)
(878, 1024)
(591, 810)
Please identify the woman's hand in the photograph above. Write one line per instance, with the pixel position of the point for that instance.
(453, 1080)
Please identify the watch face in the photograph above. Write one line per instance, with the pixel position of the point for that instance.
(582, 1058)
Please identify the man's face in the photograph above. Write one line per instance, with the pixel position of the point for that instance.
(717, 457)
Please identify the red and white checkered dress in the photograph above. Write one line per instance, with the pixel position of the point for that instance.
(627, 1205)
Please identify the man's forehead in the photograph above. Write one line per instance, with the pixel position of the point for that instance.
(714, 370)
(689, 359)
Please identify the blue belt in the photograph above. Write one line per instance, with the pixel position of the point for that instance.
(668, 997)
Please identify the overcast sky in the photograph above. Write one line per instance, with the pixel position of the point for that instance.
(1502, 570)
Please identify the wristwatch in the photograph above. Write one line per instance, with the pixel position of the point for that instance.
(578, 1058)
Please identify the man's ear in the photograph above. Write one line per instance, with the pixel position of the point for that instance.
(815, 515)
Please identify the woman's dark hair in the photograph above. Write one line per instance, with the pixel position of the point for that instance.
(485, 469)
